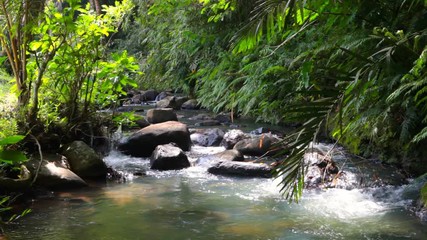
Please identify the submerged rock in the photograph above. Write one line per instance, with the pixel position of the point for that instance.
(84, 161)
(160, 115)
(244, 169)
(168, 157)
(201, 116)
(143, 142)
(207, 123)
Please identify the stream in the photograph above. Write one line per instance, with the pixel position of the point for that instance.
(194, 204)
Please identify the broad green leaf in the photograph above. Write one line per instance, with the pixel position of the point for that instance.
(11, 139)
(12, 156)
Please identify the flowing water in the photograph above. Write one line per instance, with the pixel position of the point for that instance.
(193, 204)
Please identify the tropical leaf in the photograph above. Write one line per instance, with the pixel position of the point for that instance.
(11, 139)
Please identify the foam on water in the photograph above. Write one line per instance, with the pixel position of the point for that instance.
(341, 204)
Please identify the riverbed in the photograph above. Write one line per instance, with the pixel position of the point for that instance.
(194, 204)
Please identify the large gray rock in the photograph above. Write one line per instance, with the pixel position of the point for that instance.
(54, 173)
(162, 96)
(244, 169)
(136, 99)
(230, 155)
(223, 118)
(160, 115)
(191, 104)
(171, 102)
(180, 101)
(143, 142)
(258, 146)
(232, 137)
(84, 161)
(168, 157)
(328, 167)
(149, 95)
(227, 155)
(167, 102)
(207, 137)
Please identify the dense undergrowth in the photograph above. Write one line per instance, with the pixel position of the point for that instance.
(362, 54)
(353, 70)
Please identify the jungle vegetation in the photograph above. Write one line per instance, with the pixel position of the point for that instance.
(353, 71)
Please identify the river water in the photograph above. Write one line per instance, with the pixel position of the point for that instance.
(193, 204)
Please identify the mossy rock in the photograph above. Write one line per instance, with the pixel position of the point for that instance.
(17, 184)
(424, 195)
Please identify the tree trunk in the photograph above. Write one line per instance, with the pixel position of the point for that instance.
(96, 6)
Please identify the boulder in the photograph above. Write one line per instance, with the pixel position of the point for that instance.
(168, 102)
(321, 170)
(142, 123)
(244, 169)
(207, 137)
(421, 211)
(258, 146)
(191, 104)
(232, 137)
(227, 155)
(179, 101)
(160, 115)
(168, 157)
(54, 173)
(149, 95)
(84, 161)
(223, 118)
(162, 96)
(327, 167)
(143, 142)
(230, 155)
(136, 99)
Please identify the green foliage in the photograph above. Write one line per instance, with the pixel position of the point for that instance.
(424, 194)
(78, 75)
(5, 202)
(8, 125)
(66, 65)
(11, 157)
(355, 70)
(218, 10)
(127, 119)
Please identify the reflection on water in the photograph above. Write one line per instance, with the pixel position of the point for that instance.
(193, 204)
